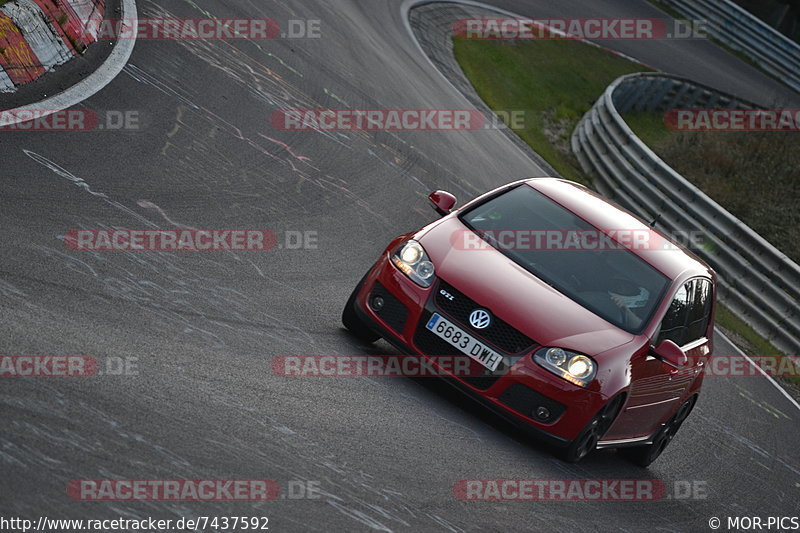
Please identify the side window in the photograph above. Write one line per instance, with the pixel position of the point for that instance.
(673, 327)
(699, 311)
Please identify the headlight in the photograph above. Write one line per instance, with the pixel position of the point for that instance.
(574, 367)
(413, 261)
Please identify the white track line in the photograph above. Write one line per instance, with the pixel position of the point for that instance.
(88, 86)
(761, 370)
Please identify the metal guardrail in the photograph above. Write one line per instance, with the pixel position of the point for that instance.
(739, 29)
(757, 281)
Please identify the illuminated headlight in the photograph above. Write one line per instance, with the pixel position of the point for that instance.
(413, 261)
(574, 367)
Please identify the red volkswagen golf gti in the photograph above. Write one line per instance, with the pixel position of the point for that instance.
(577, 321)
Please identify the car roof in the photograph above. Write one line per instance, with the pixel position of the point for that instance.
(673, 261)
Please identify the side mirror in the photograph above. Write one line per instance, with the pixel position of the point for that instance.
(442, 201)
(670, 353)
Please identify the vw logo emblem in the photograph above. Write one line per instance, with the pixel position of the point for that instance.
(480, 319)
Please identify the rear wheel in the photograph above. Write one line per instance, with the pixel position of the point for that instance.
(351, 320)
(645, 455)
(587, 440)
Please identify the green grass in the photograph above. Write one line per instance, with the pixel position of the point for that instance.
(748, 340)
(555, 82)
(649, 127)
(755, 176)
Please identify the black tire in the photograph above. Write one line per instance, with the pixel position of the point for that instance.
(351, 320)
(587, 439)
(645, 455)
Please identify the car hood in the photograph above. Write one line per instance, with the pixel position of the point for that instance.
(515, 295)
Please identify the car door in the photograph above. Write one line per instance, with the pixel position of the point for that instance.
(656, 386)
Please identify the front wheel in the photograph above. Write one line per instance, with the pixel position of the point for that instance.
(351, 320)
(645, 455)
(587, 440)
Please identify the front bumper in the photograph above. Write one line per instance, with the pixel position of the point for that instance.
(521, 387)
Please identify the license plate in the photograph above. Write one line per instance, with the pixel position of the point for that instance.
(464, 341)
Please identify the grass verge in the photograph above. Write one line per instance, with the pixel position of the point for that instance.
(751, 342)
(755, 176)
(555, 82)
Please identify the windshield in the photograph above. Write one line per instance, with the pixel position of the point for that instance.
(569, 254)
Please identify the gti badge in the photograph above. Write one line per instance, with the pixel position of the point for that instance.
(480, 319)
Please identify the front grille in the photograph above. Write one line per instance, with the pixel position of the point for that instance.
(479, 377)
(393, 312)
(498, 333)
(525, 401)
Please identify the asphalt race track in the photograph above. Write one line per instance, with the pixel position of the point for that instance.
(201, 329)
